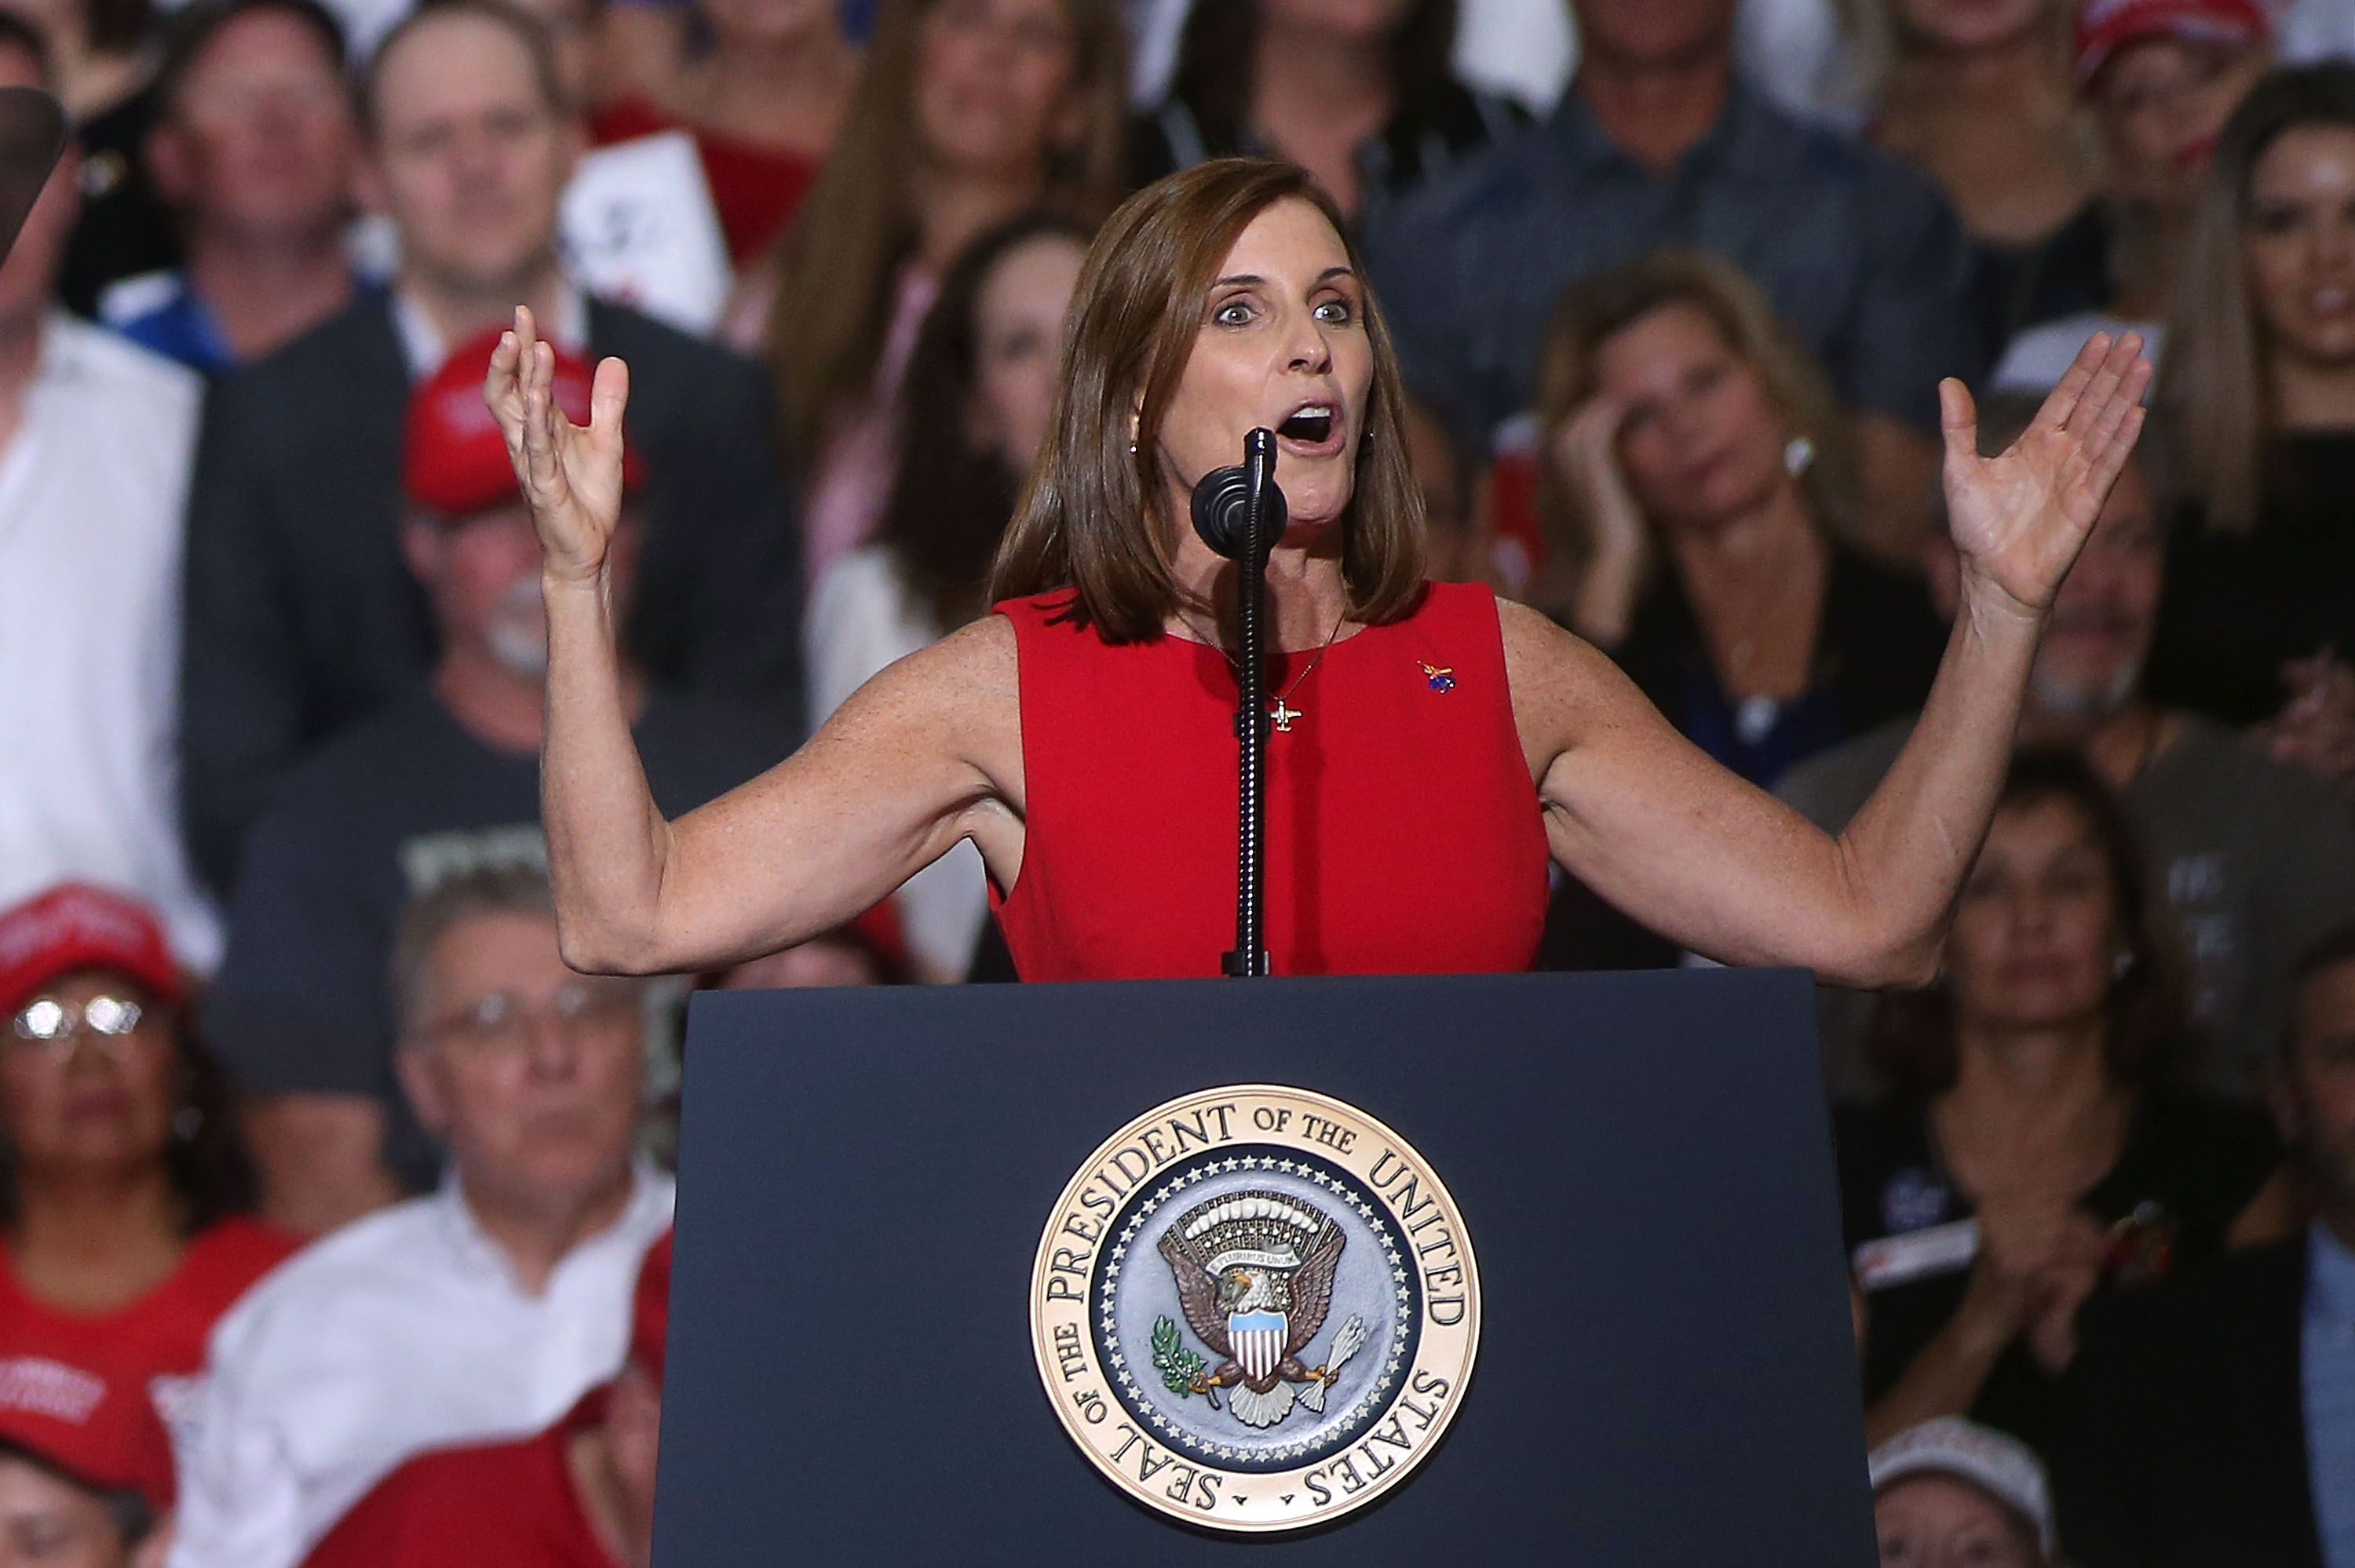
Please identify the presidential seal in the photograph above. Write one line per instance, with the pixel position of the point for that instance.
(1256, 1309)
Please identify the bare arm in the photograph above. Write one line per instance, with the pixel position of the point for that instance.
(1652, 824)
(926, 754)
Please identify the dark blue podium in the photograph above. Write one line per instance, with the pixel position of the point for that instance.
(1665, 1373)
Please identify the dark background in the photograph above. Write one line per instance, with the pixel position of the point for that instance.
(1666, 1375)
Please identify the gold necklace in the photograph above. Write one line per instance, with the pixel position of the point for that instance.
(1282, 713)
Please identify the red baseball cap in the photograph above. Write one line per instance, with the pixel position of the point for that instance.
(100, 1429)
(2105, 27)
(650, 1317)
(454, 460)
(75, 926)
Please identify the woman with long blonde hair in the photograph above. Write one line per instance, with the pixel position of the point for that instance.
(1695, 481)
(969, 113)
(1977, 93)
(2258, 626)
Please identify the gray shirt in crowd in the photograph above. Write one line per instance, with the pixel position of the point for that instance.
(1856, 251)
(2255, 857)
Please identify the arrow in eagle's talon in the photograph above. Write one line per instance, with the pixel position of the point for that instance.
(1346, 1344)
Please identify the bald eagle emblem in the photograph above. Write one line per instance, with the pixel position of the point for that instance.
(1255, 1273)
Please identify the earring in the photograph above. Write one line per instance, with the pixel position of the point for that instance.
(2122, 966)
(186, 1122)
(1798, 453)
(1131, 449)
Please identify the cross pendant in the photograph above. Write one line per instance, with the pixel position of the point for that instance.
(1283, 716)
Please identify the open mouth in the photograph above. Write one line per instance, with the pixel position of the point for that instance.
(1311, 426)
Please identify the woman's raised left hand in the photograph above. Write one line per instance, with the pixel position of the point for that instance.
(2019, 518)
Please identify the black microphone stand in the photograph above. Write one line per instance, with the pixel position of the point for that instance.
(1240, 513)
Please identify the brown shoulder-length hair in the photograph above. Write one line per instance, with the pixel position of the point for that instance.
(1221, 38)
(1598, 309)
(950, 502)
(2215, 378)
(839, 260)
(2148, 1008)
(1095, 517)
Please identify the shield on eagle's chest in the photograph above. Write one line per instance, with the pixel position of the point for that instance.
(1257, 1339)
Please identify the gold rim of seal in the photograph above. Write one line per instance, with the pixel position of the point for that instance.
(1098, 1424)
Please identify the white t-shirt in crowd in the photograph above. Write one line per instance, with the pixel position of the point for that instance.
(2313, 29)
(861, 618)
(401, 1332)
(92, 488)
(2037, 359)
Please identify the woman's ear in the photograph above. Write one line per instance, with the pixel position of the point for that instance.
(420, 1079)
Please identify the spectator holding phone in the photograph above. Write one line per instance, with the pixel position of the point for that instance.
(2033, 1153)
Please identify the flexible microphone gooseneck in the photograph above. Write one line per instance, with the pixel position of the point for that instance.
(1240, 514)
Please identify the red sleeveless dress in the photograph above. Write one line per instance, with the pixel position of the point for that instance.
(1403, 833)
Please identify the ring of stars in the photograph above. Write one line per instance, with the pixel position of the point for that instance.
(1143, 1395)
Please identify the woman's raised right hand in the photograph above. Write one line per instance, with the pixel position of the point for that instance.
(571, 474)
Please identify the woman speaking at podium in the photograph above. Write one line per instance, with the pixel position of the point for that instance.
(1430, 747)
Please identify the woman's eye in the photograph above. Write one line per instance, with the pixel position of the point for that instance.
(1040, 37)
(2276, 219)
(1234, 312)
(1335, 312)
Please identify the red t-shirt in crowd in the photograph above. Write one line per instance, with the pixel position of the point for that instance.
(162, 1335)
(754, 189)
(493, 1505)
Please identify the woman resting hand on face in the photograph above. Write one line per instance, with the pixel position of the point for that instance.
(1433, 746)
(1695, 476)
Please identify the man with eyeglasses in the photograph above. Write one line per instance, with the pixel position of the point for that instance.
(479, 1313)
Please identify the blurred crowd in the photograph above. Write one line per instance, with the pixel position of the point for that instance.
(333, 1206)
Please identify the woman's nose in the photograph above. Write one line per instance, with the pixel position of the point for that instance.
(1309, 350)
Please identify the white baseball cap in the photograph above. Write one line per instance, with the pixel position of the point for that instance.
(2001, 1467)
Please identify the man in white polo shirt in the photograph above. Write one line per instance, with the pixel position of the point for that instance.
(95, 436)
(480, 1312)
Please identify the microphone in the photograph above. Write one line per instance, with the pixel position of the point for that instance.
(1240, 513)
(1222, 501)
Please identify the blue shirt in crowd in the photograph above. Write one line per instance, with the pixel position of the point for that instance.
(2328, 1358)
(179, 325)
(182, 327)
(1856, 253)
